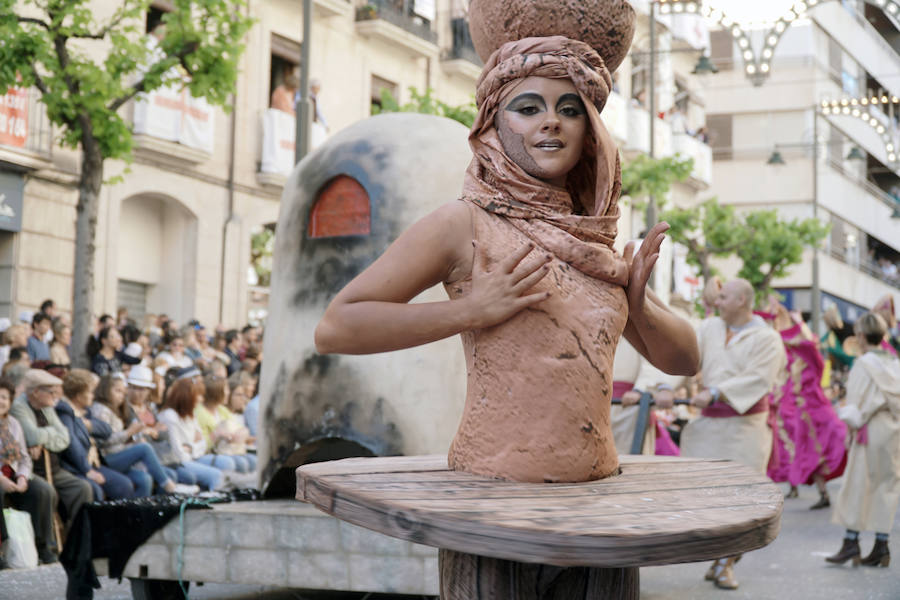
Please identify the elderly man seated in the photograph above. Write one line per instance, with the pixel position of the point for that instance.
(34, 409)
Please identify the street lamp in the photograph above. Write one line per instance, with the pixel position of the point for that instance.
(776, 158)
(856, 154)
(704, 66)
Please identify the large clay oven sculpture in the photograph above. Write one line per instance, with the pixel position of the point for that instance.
(341, 208)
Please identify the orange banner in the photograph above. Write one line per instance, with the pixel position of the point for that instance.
(14, 117)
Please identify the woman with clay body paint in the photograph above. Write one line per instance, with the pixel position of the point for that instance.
(536, 290)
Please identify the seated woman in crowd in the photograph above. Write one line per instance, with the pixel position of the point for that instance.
(81, 457)
(237, 397)
(187, 442)
(174, 354)
(26, 492)
(121, 450)
(59, 348)
(104, 352)
(224, 432)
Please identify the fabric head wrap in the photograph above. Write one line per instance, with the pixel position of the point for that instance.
(577, 224)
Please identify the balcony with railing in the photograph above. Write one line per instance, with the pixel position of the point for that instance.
(461, 57)
(402, 22)
(277, 148)
(690, 147)
(639, 133)
(332, 8)
(170, 124)
(26, 135)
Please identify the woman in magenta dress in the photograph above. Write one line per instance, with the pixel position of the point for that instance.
(809, 436)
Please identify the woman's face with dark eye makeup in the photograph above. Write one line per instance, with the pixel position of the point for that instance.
(542, 124)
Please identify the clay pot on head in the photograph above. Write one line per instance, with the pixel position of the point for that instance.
(606, 25)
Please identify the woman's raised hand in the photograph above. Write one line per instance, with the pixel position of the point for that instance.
(641, 264)
(500, 293)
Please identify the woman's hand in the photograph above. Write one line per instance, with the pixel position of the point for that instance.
(641, 264)
(630, 398)
(7, 484)
(499, 294)
(135, 428)
(96, 476)
(21, 484)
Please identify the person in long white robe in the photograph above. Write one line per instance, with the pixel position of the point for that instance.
(741, 359)
(870, 492)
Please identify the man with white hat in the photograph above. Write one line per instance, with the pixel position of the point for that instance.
(43, 430)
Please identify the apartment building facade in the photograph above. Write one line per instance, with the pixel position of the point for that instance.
(827, 104)
(681, 39)
(174, 236)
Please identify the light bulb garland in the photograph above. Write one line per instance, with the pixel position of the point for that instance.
(859, 108)
(758, 68)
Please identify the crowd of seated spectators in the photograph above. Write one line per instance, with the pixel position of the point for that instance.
(162, 409)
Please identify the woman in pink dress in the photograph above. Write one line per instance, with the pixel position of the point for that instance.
(809, 436)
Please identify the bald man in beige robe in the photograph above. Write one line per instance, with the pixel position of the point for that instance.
(741, 360)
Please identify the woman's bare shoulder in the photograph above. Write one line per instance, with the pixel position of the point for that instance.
(457, 229)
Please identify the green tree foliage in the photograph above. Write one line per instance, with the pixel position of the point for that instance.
(262, 248)
(426, 104)
(707, 230)
(88, 62)
(770, 246)
(767, 245)
(645, 176)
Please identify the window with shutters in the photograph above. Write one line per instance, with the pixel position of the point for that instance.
(721, 136)
(133, 296)
(380, 84)
(721, 49)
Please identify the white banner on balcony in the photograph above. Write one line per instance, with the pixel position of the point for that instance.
(690, 28)
(279, 133)
(425, 9)
(14, 117)
(686, 277)
(176, 116)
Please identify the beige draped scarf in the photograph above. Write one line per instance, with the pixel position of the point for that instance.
(577, 224)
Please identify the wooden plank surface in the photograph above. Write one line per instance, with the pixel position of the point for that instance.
(659, 510)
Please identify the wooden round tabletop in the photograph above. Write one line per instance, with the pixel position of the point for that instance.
(659, 510)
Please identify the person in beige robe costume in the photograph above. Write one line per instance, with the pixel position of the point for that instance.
(741, 359)
(870, 492)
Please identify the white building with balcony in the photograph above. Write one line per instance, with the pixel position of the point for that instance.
(174, 236)
(678, 125)
(831, 82)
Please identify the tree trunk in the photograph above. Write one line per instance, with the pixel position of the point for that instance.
(85, 231)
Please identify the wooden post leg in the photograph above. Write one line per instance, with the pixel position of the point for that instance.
(57, 522)
(472, 577)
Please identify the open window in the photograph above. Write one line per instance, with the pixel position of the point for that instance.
(284, 74)
(155, 13)
(378, 85)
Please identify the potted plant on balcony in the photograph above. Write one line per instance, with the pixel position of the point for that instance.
(367, 12)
